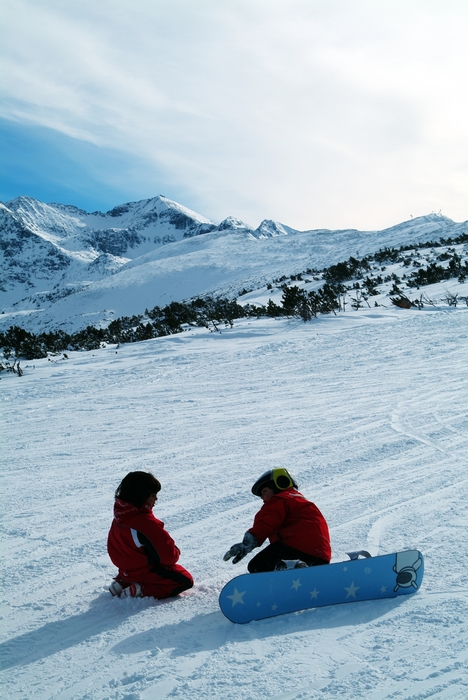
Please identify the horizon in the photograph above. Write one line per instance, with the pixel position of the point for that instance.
(438, 214)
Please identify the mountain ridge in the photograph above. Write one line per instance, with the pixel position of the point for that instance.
(64, 267)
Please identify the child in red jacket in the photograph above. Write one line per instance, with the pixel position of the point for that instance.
(139, 546)
(297, 530)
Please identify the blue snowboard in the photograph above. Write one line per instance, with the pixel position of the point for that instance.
(256, 596)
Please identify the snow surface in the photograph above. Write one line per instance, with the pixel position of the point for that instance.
(369, 410)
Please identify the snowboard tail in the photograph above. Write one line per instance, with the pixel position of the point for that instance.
(257, 596)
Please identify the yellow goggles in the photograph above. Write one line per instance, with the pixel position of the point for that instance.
(282, 478)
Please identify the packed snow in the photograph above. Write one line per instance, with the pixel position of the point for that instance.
(368, 409)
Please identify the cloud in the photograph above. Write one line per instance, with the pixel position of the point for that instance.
(317, 114)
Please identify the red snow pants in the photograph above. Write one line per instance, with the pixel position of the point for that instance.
(161, 581)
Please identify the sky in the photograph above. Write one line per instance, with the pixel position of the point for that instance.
(336, 114)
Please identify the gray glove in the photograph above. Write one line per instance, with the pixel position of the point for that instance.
(239, 550)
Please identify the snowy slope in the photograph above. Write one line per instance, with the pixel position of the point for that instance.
(68, 269)
(368, 409)
(54, 247)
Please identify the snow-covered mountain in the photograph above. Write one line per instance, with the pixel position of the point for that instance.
(63, 267)
(368, 409)
(58, 244)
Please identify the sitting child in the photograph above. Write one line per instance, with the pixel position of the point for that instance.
(139, 546)
(297, 530)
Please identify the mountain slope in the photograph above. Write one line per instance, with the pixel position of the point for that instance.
(55, 245)
(369, 412)
(69, 269)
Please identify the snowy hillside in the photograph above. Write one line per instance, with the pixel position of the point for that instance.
(54, 246)
(68, 269)
(367, 406)
(368, 409)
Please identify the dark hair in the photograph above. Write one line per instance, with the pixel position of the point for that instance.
(136, 487)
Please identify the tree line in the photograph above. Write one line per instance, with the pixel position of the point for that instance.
(211, 312)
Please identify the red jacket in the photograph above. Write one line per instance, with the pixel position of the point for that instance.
(290, 518)
(137, 541)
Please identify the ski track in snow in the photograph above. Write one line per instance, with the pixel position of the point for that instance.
(368, 410)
